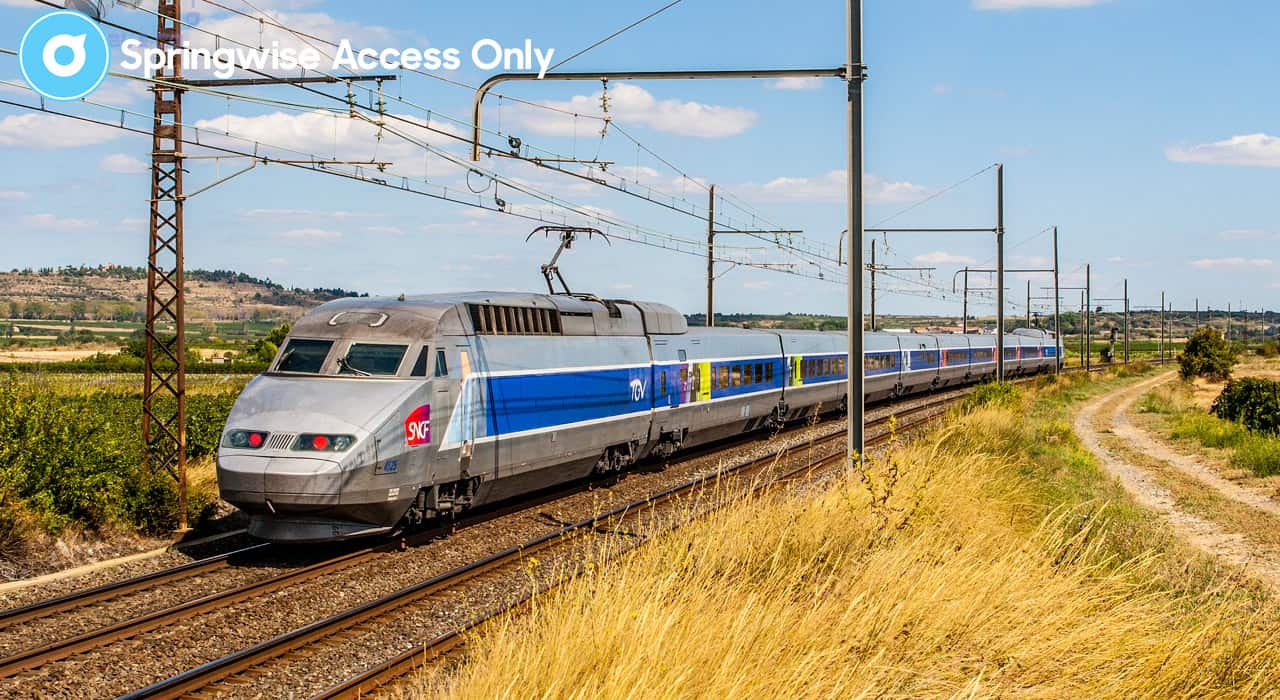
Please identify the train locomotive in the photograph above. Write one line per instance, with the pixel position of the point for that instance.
(379, 413)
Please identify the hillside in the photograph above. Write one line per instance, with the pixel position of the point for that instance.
(114, 293)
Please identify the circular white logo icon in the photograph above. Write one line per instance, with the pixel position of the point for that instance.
(64, 55)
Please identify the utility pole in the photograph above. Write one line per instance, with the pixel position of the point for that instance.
(964, 305)
(1028, 320)
(873, 268)
(854, 392)
(164, 393)
(873, 285)
(1162, 327)
(711, 256)
(1057, 315)
(1197, 313)
(1000, 272)
(1088, 319)
(1228, 322)
(1126, 321)
(1084, 357)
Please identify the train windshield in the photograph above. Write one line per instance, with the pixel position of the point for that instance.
(372, 359)
(306, 356)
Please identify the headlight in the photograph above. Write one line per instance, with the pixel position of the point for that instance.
(308, 442)
(245, 439)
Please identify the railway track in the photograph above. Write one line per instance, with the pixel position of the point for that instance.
(29, 659)
(224, 675)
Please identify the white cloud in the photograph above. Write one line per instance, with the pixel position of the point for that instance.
(122, 163)
(327, 135)
(942, 88)
(1115, 259)
(939, 257)
(122, 91)
(384, 230)
(41, 131)
(1028, 4)
(310, 234)
(492, 258)
(13, 196)
(1210, 263)
(1258, 150)
(635, 105)
(831, 187)
(634, 172)
(51, 222)
(796, 84)
(277, 262)
(132, 223)
(762, 284)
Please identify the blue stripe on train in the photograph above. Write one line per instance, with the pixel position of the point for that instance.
(529, 402)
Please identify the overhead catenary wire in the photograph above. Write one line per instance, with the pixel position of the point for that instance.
(621, 231)
(813, 248)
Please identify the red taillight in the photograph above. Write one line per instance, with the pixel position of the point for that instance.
(255, 439)
(320, 442)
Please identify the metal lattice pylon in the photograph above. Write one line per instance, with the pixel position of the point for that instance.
(164, 404)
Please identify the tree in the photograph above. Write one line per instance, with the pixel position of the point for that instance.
(77, 310)
(1208, 355)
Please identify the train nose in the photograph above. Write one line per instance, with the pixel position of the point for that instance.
(295, 484)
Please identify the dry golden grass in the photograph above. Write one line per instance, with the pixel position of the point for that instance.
(964, 581)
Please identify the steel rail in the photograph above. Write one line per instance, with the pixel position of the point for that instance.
(220, 669)
(79, 599)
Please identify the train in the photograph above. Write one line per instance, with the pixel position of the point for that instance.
(378, 414)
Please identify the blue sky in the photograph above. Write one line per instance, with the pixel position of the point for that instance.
(1139, 127)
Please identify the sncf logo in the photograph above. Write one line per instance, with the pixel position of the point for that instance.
(417, 427)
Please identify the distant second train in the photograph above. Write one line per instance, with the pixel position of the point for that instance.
(378, 413)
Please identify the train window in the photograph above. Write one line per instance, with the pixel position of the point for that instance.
(304, 356)
(371, 359)
(442, 367)
(662, 385)
(768, 373)
(420, 364)
(683, 355)
(759, 373)
(826, 365)
(724, 377)
(735, 375)
(684, 375)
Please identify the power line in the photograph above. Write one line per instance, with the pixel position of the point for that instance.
(636, 23)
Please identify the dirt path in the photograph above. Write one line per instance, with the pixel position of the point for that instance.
(1102, 420)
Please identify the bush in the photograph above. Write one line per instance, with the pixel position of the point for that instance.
(75, 459)
(1269, 349)
(1207, 355)
(1252, 402)
(1260, 455)
(1001, 394)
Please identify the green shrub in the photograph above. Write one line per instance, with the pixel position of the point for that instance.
(1208, 355)
(1002, 394)
(1258, 454)
(76, 458)
(1252, 402)
(1269, 349)
(1209, 431)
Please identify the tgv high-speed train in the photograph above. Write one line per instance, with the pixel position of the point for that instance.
(377, 413)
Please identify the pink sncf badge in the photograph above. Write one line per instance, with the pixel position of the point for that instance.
(417, 427)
